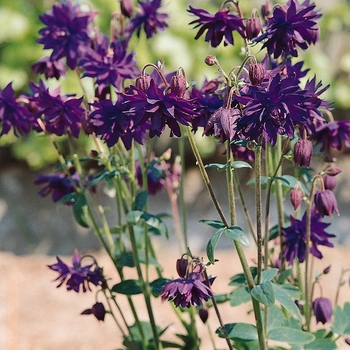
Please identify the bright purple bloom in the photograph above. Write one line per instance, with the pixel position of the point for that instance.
(273, 109)
(98, 310)
(303, 153)
(326, 203)
(161, 109)
(223, 123)
(50, 69)
(219, 26)
(66, 31)
(112, 121)
(148, 18)
(109, 64)
(185, 292)
(295, 237)
(58, 185)
(322, 310)
(78, 276)
(12, 114)
(333, 135)
(291, 26)
(62, 114)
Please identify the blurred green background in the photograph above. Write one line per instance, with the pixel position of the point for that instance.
(329, 59)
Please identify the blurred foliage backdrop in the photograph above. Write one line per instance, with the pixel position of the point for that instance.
(19, 19)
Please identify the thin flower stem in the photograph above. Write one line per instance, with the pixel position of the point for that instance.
(230, 187)
(307, 305)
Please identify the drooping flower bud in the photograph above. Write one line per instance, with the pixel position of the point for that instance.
(326, 203)
(326, 270)
(267, 9)
(253, 27)
(322, 310)
(329, 182)
(303, 153)
(296, 197)
(178, 85)
(256, 73)
(210, 60)
(181, 267)
(333, 171)
(143, 82)
(203, 314)
(126, 8)
(98, 310)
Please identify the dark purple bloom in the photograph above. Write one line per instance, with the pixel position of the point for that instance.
(161, 109)
(78, 276)
(66, 31)
(62, 114)
(219, 26)
(109, 64)
(273, 109)
(303, 153)
(322, 310)
(12, 114)
(50, 69)
(291, 26)
(295, 237)
(242, 153)
(185, 292)
(98, 310)
(148, 18)
(326, 203)
(333, 135)
(223, 123)
(155, 177)
(58, 185)
(112, 121)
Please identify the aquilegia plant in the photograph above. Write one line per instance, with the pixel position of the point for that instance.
(268, 113)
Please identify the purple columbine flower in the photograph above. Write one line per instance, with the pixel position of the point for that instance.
(275, 108)
(326, 203)
(58, 185)
(185, 292)
(13, 116)
(295, 237)
(66, 32)
(291, 26)
(219, 26)
(160, 109)
(148, 18)
(62, 114)
(333, 135)
(50, 69)
(322, 310)
(108, 63)
(78, 276)
(112, 121)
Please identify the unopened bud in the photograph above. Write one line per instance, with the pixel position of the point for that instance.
(126, 8)
(181, 267)
(333, 171)
(256, 73)
(203, 314)
(296, 197)
(329, 182)
(326, 270)
(143, 82)
(178, 85)
(267, 9)
(210, 60)
(253, 27)
(303, 153)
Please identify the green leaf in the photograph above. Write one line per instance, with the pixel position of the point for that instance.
(125, 260)
(268, 275)
(239, 296)
(157, 225)
(239, 331)
(290, 335)
(237, 234)
(341, 320)
(324, 344)
(213, 223)
(212, 245)
(238, 164)
(141, 200)
(127, 287)
(286, 301)
(80, 210)
(134, 216)
(157, 285)
(275, 317)
(263, 293)
(218, 166)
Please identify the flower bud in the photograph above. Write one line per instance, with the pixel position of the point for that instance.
(126, 8)
(326, 203)
(253, 27)
(329, 182)
(178, 85)
(210, 60)
(99, 311)
(143, 82)
(181, 267)
(333, 171)
(303, 153)
(256, 73)
(326, 270)
(267, 9)
(322, 310)
(296, 197)
(203, 314)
